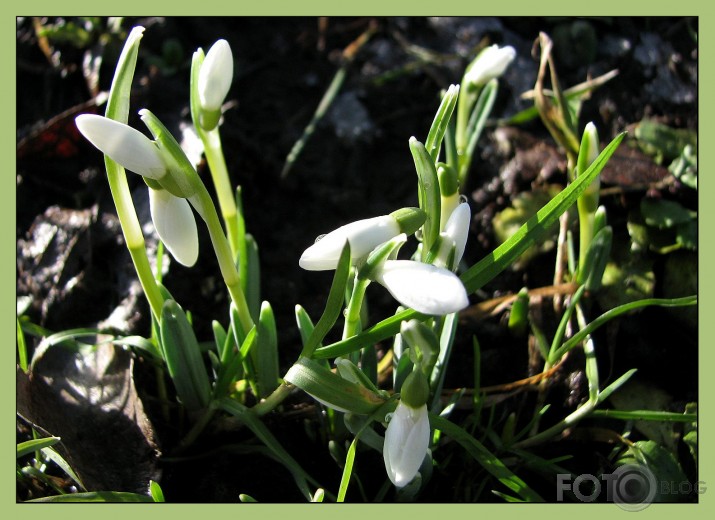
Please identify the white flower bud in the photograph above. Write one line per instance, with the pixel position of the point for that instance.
(406, 443)
(215, 76)
(175, 224)
(424, 287)
(457, 229)
(363, 235)
(489, 64)
(123, 144)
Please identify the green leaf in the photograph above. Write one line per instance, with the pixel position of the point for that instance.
(662, 213)
(27, 447)
(331, 389)
(685, 167)
(21, 347)
(663, 466)
(486, 458)
(305, 324)
(260, 430)
(613, 313)
(183, 357)
(156, 492)
(429, 194)
(334, 304)
(265, 353)
(537, 226)
(119, 96)
(253, 276)
(55, 457)
(439, 126)
(661, 140)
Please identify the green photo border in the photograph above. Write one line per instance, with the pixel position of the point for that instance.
(378, 7)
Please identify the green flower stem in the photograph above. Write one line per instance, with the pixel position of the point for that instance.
(590, 353)
(467, 96)
(585, 222)
(133, 236)
(352, 313)
(198, 427)
(219, 173)
(273, 400)
(224, 255)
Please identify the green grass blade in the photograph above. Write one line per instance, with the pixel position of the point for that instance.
(617, 311)
(21, 348)
(537, 226)
(334, 305)
(486, 458)
(261, 431)
(441, 121)
(347, 471)
(27, 447)
(645, 415)
(265, 354)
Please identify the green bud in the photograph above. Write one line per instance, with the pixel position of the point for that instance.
(209, 119)
(448, 180)
(422, 340)
(590, 272)
(376, 259)
(518, 318)
(600, 219)
(415, 389)
(409, 219)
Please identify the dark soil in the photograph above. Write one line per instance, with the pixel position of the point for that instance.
(357, 164)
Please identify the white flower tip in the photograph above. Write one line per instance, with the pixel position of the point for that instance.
(424, 287)
(123, 144)
(457, 228)
(406, 443)
(215, 76)
(363, 235)
(175, 224)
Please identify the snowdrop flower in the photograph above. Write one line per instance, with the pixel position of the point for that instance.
(123, 144)
(175, 224)
(408, 432)
(406, 443)
(215, 77)
(424, 287)
(489, 64)
(363, 235)
(172, 216)
(455, 234)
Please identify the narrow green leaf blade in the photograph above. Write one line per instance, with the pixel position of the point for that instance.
(535, 228)
(486, 458)
(27, 447)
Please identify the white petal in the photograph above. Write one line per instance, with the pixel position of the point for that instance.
(363, 235)
(216, 75)
(491, 63)
(457, 228)
(123, 144)
(406, 443)
(175, 224)
(424, 287)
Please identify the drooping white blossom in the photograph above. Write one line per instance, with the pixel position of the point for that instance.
(363, 235)
(215, 76)
(175, 224)
(424, 287)
(489, 64)
(406, 443)
(123, 144)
